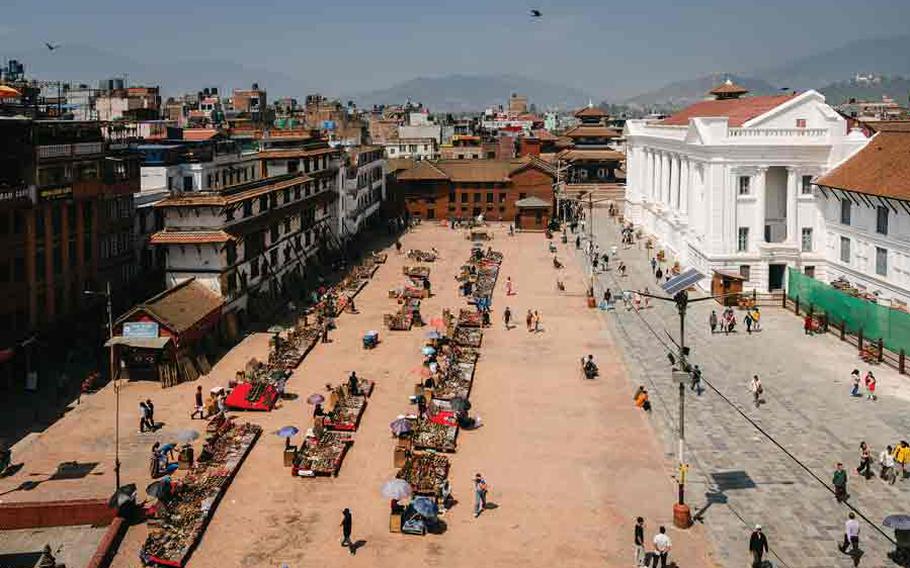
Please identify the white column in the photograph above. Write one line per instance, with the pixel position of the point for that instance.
(673, 184)
(649, 175)
(793, 179)
(655, 186)
(760, 178)
(664, 177)
(686, 183)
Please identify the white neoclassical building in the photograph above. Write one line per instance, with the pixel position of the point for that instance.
(727, 183)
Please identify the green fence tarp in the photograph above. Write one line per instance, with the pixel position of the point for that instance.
(874, 320)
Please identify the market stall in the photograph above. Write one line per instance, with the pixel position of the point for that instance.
(425, 472)
(176, 524)
(422, 256)
(322, 454)
(467, 336)
(416, 271)
(438, 433)
(345, 409)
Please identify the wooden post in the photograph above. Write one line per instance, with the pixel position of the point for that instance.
(859, 341)
(785, 301)
(796, 309)
(900, 362)
(881, 349)
(843, 330)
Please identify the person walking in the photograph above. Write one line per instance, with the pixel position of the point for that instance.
(199, 408)
(696, 380)
(748, 321)
(886, 461)
(151, 419)
(536, 321)
(529, 320)
(143, 416)
(851, 535)
(865, 461)
(712, 321)
(758, 546)
(839, 480)
(856, 380)
(653, 265)
(480, 494)
(870, 386)
(346, 524)
(639, 541)
(507, 317)
(902, 456)
(659, 274)
(757, 390)
(578, 242)
(662, 546)
(508, 285)
(756, 316)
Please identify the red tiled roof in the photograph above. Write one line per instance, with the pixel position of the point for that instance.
(590, 112)
(545, 135)
(592, 130)
(605, 155)
(472, 170)
(234, 194)
(737, 111)
(171, 237)
(181, 307)
(881, 168)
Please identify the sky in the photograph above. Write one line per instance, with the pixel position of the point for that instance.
(607, 48)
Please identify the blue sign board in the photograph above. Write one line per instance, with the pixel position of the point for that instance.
(140, 329)
(328, 125)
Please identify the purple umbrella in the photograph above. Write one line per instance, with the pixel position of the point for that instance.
(315, 398)
(400, 426)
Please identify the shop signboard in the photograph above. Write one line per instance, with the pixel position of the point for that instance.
(140, 329)
(55, 193)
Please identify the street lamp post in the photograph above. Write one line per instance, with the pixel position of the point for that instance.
(114, 378)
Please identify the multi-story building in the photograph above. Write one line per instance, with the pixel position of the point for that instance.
(250, 238)
(865, 211)
(414, 148)
(727, 183)
(518, 104)
(461, 189)
(140, 103)
(463, 147)
(251, 102)
(66, 215)
(361, 186)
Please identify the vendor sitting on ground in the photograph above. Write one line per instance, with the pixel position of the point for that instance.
(642, 401)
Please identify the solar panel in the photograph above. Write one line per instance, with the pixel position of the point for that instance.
(679, 283)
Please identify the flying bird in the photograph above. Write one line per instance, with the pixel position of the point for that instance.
(52, 46)
(536, 14)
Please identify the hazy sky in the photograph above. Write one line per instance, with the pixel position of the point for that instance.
(608, 48)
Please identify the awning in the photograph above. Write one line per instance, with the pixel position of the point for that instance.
(729, 274)
(140, 342)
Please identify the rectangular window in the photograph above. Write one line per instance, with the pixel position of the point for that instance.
(845, 250)
(293, 166)
(187, 183)
(464, 197)
(231, 251)
(800, 122)
(263, 203)
(745, 271)
(247, 208)
(522, 195)
(452, 197)
(489, 198)
(502, 197)
(742, 239)
(744, 182)
(809, 271)
(881, 220)
(477, 198)
(845, 205)
(431, 213)
(807, 239)
(806, 187)
(881, 261)
(287, 225)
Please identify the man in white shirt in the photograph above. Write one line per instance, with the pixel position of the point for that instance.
(886, 460)
(662, 547)
(851, 535)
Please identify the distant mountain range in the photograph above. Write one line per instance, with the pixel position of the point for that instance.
(682, 93)
(898, 88)
(465, 93)
(882, 56)
(827, 72)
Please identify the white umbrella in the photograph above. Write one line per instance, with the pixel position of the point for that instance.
(396, 489)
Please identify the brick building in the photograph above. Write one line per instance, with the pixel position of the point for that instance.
(459, 189)
(66, 216)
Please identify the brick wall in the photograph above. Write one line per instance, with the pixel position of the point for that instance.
(55, 514)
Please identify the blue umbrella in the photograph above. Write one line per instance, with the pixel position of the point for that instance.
(428, 350)
(400, 426)
(899, 522)
(424, 506)
(287, 432)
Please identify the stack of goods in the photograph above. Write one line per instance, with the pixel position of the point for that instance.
(178, 524)
(322, 454)
(400, 320)
(425, 472)
(467, 336)
(456, 381)
(437, 435)
(469, 318)
(422, 256)
(417, 272)
(347, 409)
